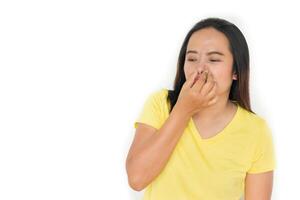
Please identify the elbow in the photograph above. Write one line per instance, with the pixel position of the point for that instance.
(135, 184)
(134, 178)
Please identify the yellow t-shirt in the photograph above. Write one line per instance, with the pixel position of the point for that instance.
(212, 168)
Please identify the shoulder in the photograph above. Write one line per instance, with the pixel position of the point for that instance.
(255, 122)
(159, 95)
(252, 118)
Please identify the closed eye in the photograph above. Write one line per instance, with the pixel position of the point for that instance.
(212, 60)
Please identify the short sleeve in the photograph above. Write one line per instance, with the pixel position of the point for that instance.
(151, 111)
(264, 155)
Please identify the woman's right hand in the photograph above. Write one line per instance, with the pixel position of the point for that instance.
(197, 93)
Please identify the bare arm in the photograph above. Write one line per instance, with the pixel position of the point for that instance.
(152, 148)
(259, 186)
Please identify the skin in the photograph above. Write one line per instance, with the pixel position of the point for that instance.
(201, 56)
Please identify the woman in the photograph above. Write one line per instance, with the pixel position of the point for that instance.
(202, 140)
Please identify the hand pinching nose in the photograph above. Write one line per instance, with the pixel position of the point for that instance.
(205, 75)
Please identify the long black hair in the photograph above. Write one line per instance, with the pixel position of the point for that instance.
(239, 90)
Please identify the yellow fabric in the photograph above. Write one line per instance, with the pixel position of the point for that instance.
(213, 168)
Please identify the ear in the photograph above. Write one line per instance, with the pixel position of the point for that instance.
(234, 76)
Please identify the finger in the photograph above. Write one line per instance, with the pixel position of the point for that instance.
(208, 85)
(212, 101)
(190, 81)
(206, 72)
(209, 77)
(212, 92)
(199, 83)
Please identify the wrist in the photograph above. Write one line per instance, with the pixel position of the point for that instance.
(182, 112)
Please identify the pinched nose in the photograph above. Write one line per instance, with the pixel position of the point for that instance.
(205, 73)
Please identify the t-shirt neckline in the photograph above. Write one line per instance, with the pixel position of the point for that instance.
(220, 134)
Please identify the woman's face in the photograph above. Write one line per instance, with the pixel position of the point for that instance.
(208, 49)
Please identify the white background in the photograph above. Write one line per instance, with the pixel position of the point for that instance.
(75, 74)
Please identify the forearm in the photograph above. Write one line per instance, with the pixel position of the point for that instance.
(154, 154)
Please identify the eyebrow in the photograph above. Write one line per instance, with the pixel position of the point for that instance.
(209, 53)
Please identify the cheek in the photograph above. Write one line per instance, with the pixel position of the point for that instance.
(221, 73)
(188, 66)
(223, 78)
(188, 70)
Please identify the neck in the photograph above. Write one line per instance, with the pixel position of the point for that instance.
(217, 110)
